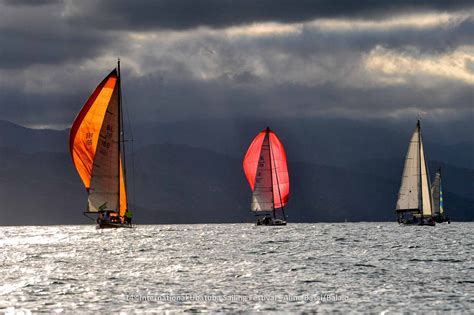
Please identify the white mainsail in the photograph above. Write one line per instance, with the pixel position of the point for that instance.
(408, 196)
(262, 197)
(104, 188)
(415, 191)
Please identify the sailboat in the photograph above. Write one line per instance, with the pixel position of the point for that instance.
(415, 203)
(438, 204)
(266, 169)
(97, 150)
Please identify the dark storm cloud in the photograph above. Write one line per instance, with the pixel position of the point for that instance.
(76, 30)
(38, 34)
(25, 48)
(57, 51)
(30, 2)
(185, 14)
(162, 98)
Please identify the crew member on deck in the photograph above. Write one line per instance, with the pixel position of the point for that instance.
(128, 216)
(100, 217)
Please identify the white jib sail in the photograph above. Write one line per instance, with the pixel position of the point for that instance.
(104, 187)
(262, 197)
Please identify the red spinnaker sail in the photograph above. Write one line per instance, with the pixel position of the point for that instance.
(280, 177)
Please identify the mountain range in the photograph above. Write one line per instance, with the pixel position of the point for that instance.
(192, 173)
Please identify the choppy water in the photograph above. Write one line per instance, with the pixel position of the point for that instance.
(238, 267)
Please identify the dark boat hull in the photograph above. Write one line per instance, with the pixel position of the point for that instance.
(424, 221)
(439, 219)
(111, 225)
(414, 218)
(271, 222)
(427, 223)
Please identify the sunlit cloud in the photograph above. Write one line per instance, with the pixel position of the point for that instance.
(399, 67)
(414, 21)
(263, 29)
(274, 29)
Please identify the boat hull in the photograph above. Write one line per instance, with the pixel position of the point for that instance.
(111, 225)
(270, 222)
(441, 219)
(413, 218)
(418, 221)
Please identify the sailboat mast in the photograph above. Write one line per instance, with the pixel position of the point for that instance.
(119, 131)
(420, 183)
(267, 136)
(278, 184)
(121, 136)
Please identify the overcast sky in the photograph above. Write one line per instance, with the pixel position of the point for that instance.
(201, 59)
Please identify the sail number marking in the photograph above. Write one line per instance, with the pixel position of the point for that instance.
(105, 144)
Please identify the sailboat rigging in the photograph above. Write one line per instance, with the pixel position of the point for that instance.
(96, 143)
(266, 169)
(415, 203)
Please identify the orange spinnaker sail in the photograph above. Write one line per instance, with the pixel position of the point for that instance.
(94, 146)
(279, 168)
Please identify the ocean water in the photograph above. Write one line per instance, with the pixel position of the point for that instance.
(374, 267)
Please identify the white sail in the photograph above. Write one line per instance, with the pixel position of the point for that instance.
(435, 193)
(262, 197)
(415, 189)
(104, 187)
(409, 194)
(426, 201)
